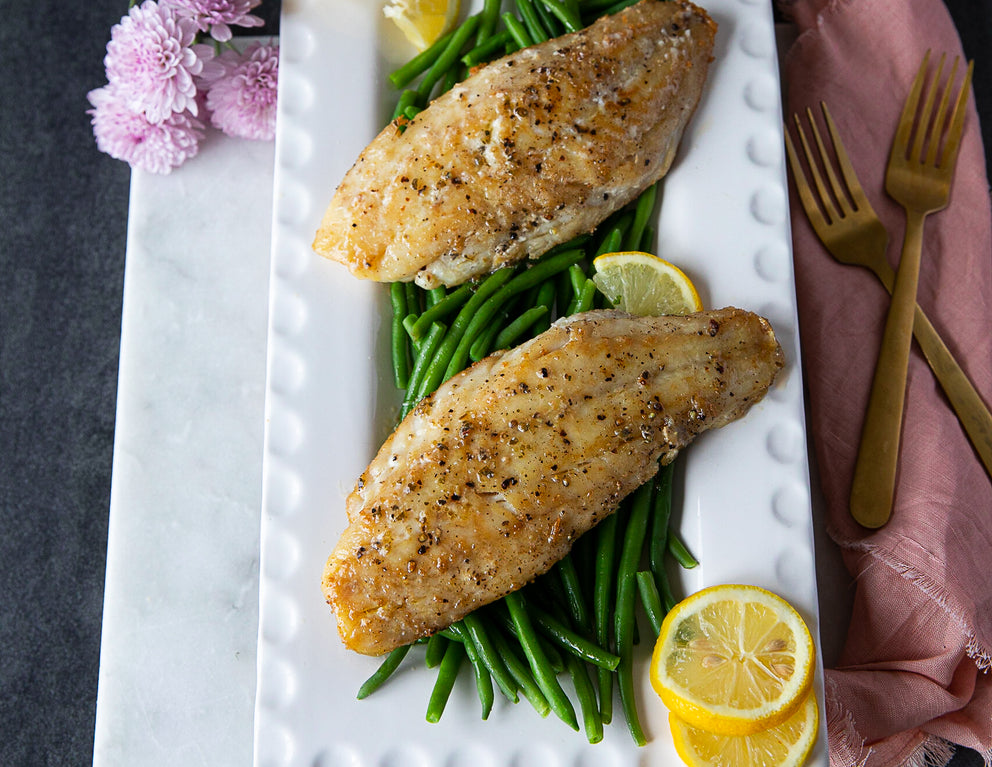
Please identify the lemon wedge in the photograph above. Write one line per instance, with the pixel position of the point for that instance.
(422, 22)
(733, 660)
(785, 745)
(644, 284)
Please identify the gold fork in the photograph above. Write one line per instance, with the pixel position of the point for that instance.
(845, 222)
(918, 177)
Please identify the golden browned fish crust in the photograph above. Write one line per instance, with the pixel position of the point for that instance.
(487, 483)
(527, 152)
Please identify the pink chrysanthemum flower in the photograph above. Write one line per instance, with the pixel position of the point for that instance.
(151, 61)
(217, 15)
(241, 92)
(129, 136)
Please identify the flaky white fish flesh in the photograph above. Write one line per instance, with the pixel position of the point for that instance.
(526, 153)
(489, 481)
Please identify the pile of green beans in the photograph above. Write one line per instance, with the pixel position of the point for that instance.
(580, 618)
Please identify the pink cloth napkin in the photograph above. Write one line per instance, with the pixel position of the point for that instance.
(914, 674)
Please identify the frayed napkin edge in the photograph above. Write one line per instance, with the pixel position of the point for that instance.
(974, 649)
(843, 739)
(848, 748)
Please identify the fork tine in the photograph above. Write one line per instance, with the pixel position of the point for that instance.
(824, 195)
(802, 186)
(839, 195)
(925, 126)
(858, 195)
(905, 128)
(937, 126)
(953, 141)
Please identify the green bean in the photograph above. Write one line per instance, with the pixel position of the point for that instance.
(453, 76)
(510, 334)
(550, 648)
(452, 635)
(416, 346)
(529, 277)
(613, 236)
(680, 551)
(651, 599)
(407, 99)
(399, 345)
(397, 299)
(439, 309)
(486, 340)
(643, 211)
(579, 241)
(427, 351)
(476, 630)
(563, 293)
(660, 516)
(483, 681)
(594, 6)
(434, 295)
(585, 299)
(385, 670)
(487, 24)
(530, 19)
(420, 63)
(487, 49)
(414, 298)
(575, 643)
(647, 240)
(428, 383)
(436, 371)
(606, 534)
(633, 543)
(436, 645)
(447, 672)
(541, 668)
(517, 30)
(548, 21)
(573, 592)
(412, 111)
(526, 298)
(612, 242)
(555, 658)
(448, 56)
(668, 599)
(584, 691)
(569, 19)
(522, 675)
(545, 297)
(578, 277)
(600, 8)
(660, 523)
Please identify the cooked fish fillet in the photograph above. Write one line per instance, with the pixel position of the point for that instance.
(487, 483)
(529, 151)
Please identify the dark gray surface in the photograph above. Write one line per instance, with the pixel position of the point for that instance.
(63, 216)
(64, 212)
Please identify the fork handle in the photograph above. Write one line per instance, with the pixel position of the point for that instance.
(873, 489)
(972, 412)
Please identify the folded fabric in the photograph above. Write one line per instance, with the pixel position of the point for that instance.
(913, 677)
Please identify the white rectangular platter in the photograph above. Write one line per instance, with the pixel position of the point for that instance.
(745, 500)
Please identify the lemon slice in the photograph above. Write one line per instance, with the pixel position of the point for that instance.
(733, 660)
(786, 745)
(643, 284)
(422, 21)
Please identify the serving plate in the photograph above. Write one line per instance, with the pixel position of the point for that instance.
(744, 500)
